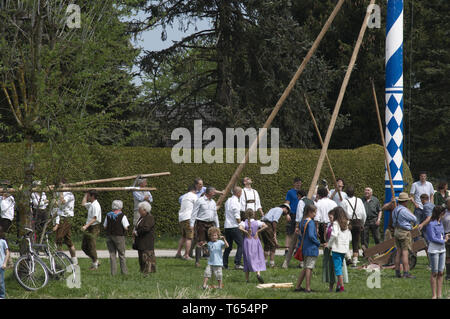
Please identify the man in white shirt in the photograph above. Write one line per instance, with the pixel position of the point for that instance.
(184, 218)
(421, 187)
(204, 216)
(140, 196)
(324, 205)
(356, 214)
(62, 228)
(334, 193)
(250, 197)
(269, 234)
(92, 227)
(39, 205)
(232, 232)
(199, 188)
(7, 205)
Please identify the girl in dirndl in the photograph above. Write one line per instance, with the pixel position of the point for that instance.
(328, 273)
(254, 260)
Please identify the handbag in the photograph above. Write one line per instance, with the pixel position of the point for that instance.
(299, 254)
(355, 223)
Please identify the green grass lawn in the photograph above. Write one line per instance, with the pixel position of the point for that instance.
(177, 278)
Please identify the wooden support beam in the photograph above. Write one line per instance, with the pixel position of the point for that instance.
(339, 103)
(380, 125)
(114, 179)
(86, 189)
(321, 144)
(280, 102)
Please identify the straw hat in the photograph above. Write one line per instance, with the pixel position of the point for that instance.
(403, 197)
(287, 206)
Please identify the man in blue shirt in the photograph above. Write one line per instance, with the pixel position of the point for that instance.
(402, 220)
(292, 200)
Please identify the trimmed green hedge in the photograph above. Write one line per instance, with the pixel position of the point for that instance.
(361, 167)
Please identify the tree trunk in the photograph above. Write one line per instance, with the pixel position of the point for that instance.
(24, 196)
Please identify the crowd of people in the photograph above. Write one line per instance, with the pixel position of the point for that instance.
(330, 219)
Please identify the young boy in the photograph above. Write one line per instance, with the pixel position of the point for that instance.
(4, 256)
(310, 247)
(215, 261)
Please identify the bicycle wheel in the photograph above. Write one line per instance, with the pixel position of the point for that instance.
(63, 265)
(30, 272)
(412, 260)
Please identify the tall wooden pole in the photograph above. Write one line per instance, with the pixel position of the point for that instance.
(280, 102)
(112, 179)
(321, 143)
(380, 125)
(339, 103)
(86, 189)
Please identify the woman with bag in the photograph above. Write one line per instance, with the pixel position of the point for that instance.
(309, 248)
(339, 241)
(356, 213)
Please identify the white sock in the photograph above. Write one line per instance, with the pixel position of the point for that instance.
(74, 260)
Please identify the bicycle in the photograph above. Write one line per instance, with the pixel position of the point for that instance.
(32, 273)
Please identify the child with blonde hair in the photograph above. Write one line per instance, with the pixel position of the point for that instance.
(215, 260)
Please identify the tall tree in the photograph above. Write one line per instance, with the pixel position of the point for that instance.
(232, 74)
(60, 83)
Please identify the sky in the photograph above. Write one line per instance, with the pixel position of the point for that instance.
(151, 39)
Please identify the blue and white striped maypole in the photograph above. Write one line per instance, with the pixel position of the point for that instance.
(394, 98)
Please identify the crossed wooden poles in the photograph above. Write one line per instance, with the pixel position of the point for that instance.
(285, 94)
(72, 187)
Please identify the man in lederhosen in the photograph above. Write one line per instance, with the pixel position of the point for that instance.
(249, 198)
(269, 234)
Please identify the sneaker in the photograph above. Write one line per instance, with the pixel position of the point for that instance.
(260, 280)
(408, 275)
(285, 265)
(238, 267)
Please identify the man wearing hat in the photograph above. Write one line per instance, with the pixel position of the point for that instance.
(402, 219)
(269, 234)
